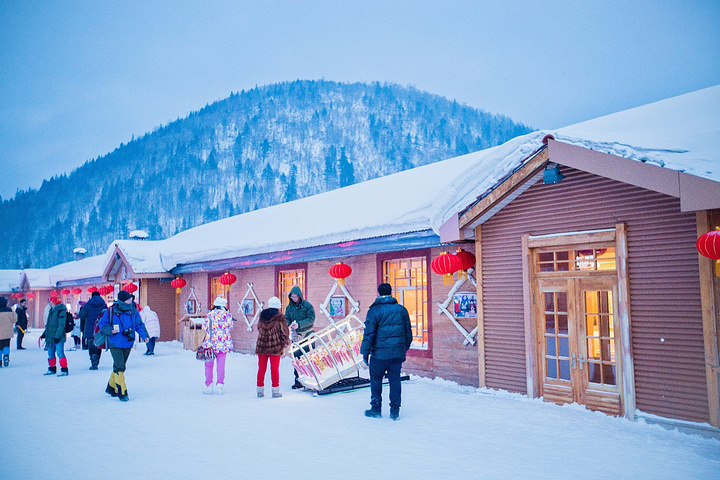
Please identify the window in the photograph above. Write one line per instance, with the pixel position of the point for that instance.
(217, 289)
(589, 259)
(288, 278)
(408, 278)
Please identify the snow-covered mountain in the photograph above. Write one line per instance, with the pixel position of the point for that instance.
(269, 145)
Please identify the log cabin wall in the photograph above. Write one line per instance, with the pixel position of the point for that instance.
(666, 314)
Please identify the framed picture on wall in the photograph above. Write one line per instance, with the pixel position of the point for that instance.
(465, 305)
(248, 306)
(337, 306)
(191, 306)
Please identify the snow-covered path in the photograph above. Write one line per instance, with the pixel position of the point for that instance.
(69, 428)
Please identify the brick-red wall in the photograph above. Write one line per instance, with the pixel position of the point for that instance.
(161, 298)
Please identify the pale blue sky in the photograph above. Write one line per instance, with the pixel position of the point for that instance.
(77, 78)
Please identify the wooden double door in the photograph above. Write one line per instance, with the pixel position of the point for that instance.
(579, 341)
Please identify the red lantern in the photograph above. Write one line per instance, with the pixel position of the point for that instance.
(31, 295)
(340, 272)
(467, 261)
(54, 293)
(227, 278)
(92, 289)
(178, 284)
(130, 288)
(65, 291)
(709, 246)
(445, 265)
(76, 291)
(106, 289)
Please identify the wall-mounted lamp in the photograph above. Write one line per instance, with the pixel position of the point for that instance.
(552, 173)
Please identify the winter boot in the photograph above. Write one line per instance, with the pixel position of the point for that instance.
(374, 412)
(276, 392)
(6, 360)
(120, 387)
(394, 413)
(208, 390)
(297, 384)
(260, 392)
(219, 389)
(63, 367)
(111, 388)
(94, 361)
(51, 370)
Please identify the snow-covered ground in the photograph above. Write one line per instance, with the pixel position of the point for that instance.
(67, 427)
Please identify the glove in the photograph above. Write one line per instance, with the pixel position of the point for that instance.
(366, 359)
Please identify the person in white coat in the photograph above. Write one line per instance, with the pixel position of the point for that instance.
(152, 324)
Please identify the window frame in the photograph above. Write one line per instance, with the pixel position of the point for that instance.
(293, 266)
(380, 259)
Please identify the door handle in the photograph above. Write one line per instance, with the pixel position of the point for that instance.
(581, 360)
(573, 362)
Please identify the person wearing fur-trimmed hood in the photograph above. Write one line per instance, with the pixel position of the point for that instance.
(119, 324)
(217, 323)
(273, 337)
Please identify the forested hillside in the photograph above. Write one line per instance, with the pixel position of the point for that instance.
(256, 148)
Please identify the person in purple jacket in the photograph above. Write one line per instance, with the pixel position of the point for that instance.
(119, 323)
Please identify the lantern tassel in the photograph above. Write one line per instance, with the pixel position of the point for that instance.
(717, 268)
(448, 279)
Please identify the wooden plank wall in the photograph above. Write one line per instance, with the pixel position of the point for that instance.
(664, 285)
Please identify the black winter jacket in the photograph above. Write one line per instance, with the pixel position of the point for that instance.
(388, 333)
(89, 313)
(22, 320)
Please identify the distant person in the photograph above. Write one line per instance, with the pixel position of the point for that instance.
(89, 315)
(7, 320)
(386, 340)
(79, 323)
(21, 323)
(120, 323)
(300, 316)
(76, 331)
(46, 312)
(55, 337)
(152, 325)
(273, 337)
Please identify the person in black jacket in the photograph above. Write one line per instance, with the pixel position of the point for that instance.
(22, 322)
(387, 337)
(89, 314)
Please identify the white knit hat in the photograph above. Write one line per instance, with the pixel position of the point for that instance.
(274, 302)
(220, 302)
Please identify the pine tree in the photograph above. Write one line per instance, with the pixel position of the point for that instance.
(347, 171)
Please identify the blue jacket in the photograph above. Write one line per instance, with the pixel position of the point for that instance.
(129, 319)
(388, 333)
(90, 312)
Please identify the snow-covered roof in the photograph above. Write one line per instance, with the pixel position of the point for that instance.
(39, 278)
(680, 133)
(11, 280)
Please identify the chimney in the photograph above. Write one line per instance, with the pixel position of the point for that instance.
(138, 235)
(79, 253)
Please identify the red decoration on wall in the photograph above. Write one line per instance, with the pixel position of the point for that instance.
(227, 278)
(54, 293)
(709, 246)
(31, 295)
(467, 259)
(92, 289)
(106, 289)
(130, 287)
(445, 265)
(178, 284)
(340, 272)
(76, 291)
(65, 291)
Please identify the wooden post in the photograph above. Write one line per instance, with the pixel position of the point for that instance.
(710, 300)
(531, 350)
(480, 308)
(624, 322)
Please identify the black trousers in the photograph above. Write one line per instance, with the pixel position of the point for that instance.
(20, 336)
(378, 369)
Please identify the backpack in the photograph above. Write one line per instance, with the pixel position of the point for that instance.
(69, 322)
(99, 338)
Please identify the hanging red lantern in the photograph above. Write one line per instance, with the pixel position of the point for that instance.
(178, 284)
(106, 289)
(467, 261)
(76, 291)
(130, 288)
(709, 246)
(54, 293)
(445, 265)
(31, 295)
(92, 289)
(65, 291)
(227, 278)
(340, 272)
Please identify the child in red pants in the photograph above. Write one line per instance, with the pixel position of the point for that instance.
(273, 337)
